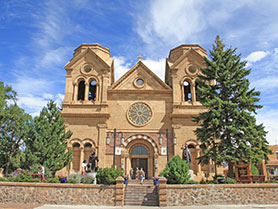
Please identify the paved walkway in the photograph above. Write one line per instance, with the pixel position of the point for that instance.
(36, 206)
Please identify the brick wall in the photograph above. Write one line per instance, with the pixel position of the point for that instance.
(75, 194)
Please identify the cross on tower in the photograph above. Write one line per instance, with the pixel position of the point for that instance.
(140, 57)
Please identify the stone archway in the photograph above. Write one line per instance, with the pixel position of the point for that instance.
(140, 151)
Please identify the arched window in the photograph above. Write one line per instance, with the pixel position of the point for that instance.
(88, 145)
(187, 91)
(76, 145)
(191, 146)
(139, 150)
(93, 90)
(81, 90)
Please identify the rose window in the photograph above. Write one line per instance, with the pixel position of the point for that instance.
(139, 114)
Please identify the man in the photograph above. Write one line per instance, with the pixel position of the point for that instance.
(92, 162)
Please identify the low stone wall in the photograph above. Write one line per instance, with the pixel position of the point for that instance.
(177, 195)
(42, 193)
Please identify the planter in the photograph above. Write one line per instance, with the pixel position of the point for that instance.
(221, 181)
(63, 180)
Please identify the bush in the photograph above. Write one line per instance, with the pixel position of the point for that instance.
(108, 175)
(3, 179)
(87, 180)
(176, 171)
(74, 179)
(52, 180)
(254, 170)
(231, 181)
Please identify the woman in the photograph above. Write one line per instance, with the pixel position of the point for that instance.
(41, 172)
(142, 175)
(84, 168)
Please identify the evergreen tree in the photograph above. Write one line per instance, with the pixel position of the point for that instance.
(13, 126)
(47, 141)
(228, 130)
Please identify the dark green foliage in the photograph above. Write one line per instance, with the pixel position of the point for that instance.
(47, 141)
(13, 127)
(231, 181)
(228, 130)
(24, 177)
(176, 171)
(54, 180)
(108, 175)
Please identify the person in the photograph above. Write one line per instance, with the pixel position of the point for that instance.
(137, 173)
(186, 155)
(92, 162)
(84, 168)
(142, 175)
(1, 173)
(17, 172)
(41, 172)
(131, 173)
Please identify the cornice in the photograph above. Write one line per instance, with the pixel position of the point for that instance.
(132, 91)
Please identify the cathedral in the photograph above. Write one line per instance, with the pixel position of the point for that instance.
(138, 120)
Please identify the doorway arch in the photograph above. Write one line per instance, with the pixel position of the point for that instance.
(140, 153)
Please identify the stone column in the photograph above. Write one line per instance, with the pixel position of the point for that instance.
(176, 88)
(81, 158)
(162, 186)
(86, 96)
(119, 191)
(101, 144)
(105, 82)
(193, 92)
(198, 150)
(75, 95)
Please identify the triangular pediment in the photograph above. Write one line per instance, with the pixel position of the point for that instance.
(89, 56)
(191, 55)
(140, 71)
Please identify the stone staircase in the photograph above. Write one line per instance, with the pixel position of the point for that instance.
(141, 194)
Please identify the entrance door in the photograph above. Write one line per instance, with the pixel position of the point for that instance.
(140, 163)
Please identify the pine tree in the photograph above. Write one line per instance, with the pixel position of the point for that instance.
(47, 141)
(228, 130)
(13, 126)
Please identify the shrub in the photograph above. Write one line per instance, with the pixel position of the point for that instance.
(3, 179)
(74, 179)
(108, 175)
(52, 180)
(87, 180)
(254, 170)
(231, 180)
(176, 171)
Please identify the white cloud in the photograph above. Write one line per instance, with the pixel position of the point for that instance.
(48, 96)
(266, 83)
(121, 66)
(270, 120)
(255, 57)
(157, 66)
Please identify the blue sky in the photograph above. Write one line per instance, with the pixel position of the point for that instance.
(38, 39)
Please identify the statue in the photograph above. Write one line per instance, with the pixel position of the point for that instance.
(92, 162)
(186, 155)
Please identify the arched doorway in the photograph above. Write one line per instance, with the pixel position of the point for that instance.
(139, 158)
(140, 153)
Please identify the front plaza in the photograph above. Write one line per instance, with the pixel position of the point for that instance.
(138, 120)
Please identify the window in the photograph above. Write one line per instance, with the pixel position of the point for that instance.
(76, 145)
(187, 91)
(92, 90)
(139, 150)
(81, 90)
(276, 155)
(88, 145)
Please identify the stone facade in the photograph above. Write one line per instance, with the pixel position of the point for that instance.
(137, 121)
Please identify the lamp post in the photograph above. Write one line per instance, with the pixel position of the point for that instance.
(114, 134)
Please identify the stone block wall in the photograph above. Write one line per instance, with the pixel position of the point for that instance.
(177, 195)
(74, 194)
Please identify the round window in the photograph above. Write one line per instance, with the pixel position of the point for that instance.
(87, 69)
(192, 69)
(139, 81)
(139, 114)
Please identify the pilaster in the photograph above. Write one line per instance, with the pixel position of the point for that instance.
(101, 144)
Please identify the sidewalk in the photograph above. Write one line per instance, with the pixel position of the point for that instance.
(36, 206)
